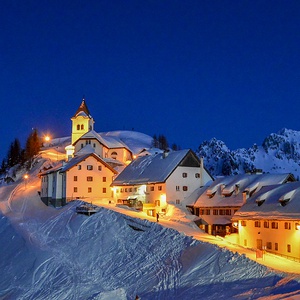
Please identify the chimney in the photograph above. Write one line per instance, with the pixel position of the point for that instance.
(245, 196)
(165, 153)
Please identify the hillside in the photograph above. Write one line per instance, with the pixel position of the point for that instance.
(50, 253)
(279, 153)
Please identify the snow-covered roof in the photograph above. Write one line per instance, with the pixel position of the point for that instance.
(109, 142)
(228, 191)
(151, 168)
(79, 158)
(274, 202)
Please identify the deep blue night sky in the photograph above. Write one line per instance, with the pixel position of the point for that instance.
(191, 70)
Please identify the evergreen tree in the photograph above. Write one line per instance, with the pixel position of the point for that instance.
(155, 143)
(32, 148)
(14, 153)
(163, 143)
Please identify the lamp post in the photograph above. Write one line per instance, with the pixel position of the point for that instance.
(26, 176)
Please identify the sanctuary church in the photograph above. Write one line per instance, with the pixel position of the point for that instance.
(110, 167)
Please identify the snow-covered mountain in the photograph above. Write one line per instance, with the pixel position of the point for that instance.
(279, 153)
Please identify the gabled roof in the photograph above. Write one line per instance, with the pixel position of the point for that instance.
(228, 191)
(155, 168)
(273, 202)
(79, 158)
(82, 110)
(108, 142)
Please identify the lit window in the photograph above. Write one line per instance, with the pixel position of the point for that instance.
(257, 224)
(185, 188)
(157, 202)
(89, 178)
(89, 167)
(184, 175)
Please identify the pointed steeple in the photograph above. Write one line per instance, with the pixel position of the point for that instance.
(82, 108)
(82, 121)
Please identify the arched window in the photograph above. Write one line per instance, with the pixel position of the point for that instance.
(82, 126)
(78, 127)
(114, 155)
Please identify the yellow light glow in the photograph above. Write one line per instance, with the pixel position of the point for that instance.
(235, 224)
(163, 199)
(26, 176)
(297, 226)
(47, 138)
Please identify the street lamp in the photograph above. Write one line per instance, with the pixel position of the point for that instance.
(26, 176)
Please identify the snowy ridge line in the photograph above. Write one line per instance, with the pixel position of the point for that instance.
(134, 224)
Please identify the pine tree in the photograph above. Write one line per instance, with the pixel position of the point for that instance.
(32, 148)
(14, 153)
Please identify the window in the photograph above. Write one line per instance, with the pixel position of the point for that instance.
(104, 179)
(222, 212)
(215, 212)
(152, 188)
(121, 190)
(78, 127)
(81, 146)
(228, 212)
(157, 202)
(79, 167)
(82, 127)
(99, 168)
(266, 224)
(75, 189)
(89, 178)
(274, 225)
(130, 190)
(208, 212)
(197, 175)
(94, 145)
(89, 189)
(114, 155)
(243, 223)
(177, 188)
(75, 178)
(287, 225)
(125, 190)
(202, 211)
(104, 190)
(276, 246)
(269, 245)
(289, 248)
(89, 167)
(160, 188)
(135, 189)
(184, 188)
(184, 175)
(177, 201)
(257, 224)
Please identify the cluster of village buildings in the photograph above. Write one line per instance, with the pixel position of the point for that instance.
(262, 209)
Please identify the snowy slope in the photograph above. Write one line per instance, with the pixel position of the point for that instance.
(49, 253)
(279, 153)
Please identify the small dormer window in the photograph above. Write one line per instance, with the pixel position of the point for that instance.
(82, 127)
(78, 127)
(284, 199)
(114, 155)
(260, 201)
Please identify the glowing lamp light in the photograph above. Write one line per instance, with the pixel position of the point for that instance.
(235, 224)
(47, 138)
(297, 226)
(26, 176)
